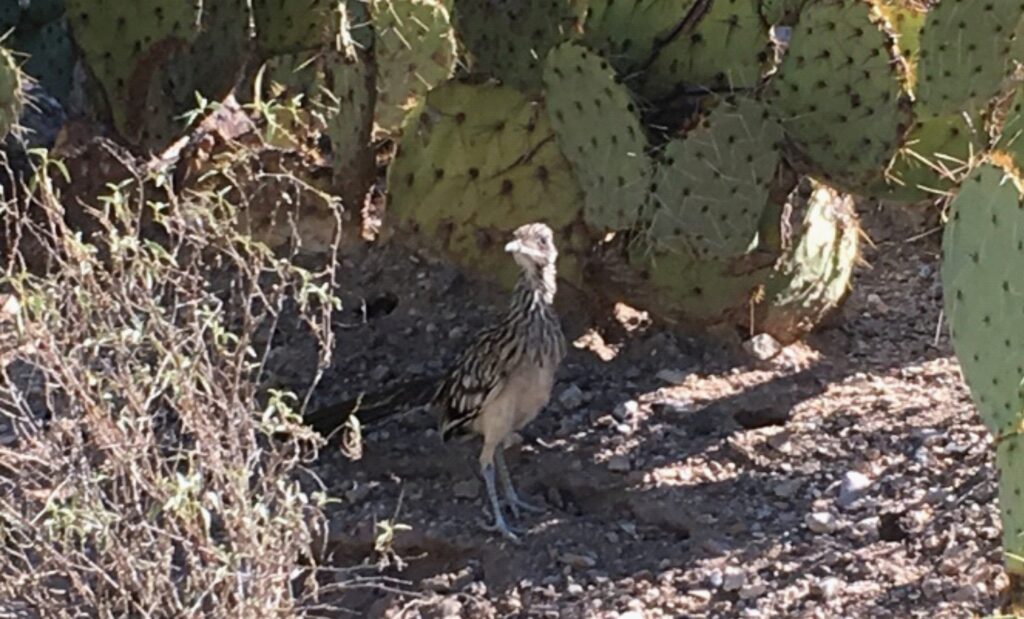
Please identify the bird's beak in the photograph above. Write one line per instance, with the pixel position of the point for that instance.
(514, 246)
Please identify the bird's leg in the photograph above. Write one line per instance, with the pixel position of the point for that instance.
(487, 470)
(511, 496)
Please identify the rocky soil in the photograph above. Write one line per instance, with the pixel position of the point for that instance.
(845, 477)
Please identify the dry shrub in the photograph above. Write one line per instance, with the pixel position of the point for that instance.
(139, 478)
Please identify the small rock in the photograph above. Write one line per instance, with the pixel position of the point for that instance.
(701, 594)
(574, 588)
(827, 587)
(466, 489)
(578, 561)
(876, 304)
(619, 464)
(379, 373)
(853, 486)
(715, 578)
(750, 592)
(787, 489)
(627, 409)
(733, 579)
(631, 614)
(672, 377)
(571, 397)
(674, 406)
(820, 522)
(762, 347)
(932, 588)
(966, 594)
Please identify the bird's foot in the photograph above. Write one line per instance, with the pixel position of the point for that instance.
(517, 505)
(501, 526)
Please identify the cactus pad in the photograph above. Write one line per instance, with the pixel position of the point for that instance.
(935, 156)
(984, 294)
(813, 276)
(510, 40)
(1011, 135)
(982, 253)
(474, 162)
(728, 49)
(839, 93)
(966, 54)
(598, 129)
(51, 57)
(290, 26)
(347, 107)
(627, 33)
(11, 97)
(39, 12)
(414, 51)
(712, 188)
(151, 57)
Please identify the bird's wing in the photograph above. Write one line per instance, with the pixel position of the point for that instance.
(476, 377)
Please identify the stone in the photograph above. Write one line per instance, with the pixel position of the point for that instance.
(627, 409)
(733, 579)
(671, 376)
(762, 347)
(571, 397)
(852, 487)
(619, 464)
(820, 522)
(751, 592)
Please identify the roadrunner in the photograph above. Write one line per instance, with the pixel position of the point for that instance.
(499, 383)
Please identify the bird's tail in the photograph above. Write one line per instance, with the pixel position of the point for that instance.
(370, 408)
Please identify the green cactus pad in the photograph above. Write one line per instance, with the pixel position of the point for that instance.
(414, 51)
(510, 40)
(627, 33)
(10, 14)
(474, 162)
(982, 251)
(983, 293)
(598, 129)
(813, 276)
(935, 156)
(966, 54)
(348, 112)
(1010, 462)
(291, 26)
(712, 188)
(1011, 134)
(11, 97)
(51, 57)
(152, 56)
(728, 49)
(839, 94)
(781, 12)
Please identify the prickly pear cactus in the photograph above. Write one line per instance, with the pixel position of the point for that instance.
(936, 154)
(474, 162)
(626, 33)
(1010, 139)
(291, 26)
(509, 40)
(711, 190)
(813, 276)
(983, 294)
(348, 113)
(151, 56)
(966, 54)
(839, 94)
(414, 51)
(51, 56)
(11, 98)
(728, 49)
(596, 123)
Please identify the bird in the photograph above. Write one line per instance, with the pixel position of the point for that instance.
(497, 385)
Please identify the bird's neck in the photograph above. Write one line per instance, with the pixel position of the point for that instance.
(535, 289)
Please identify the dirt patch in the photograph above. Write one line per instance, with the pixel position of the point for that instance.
(847, 478)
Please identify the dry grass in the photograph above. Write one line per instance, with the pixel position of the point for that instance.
(142, 479)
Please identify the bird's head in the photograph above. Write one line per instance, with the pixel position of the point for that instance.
(533, 246)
